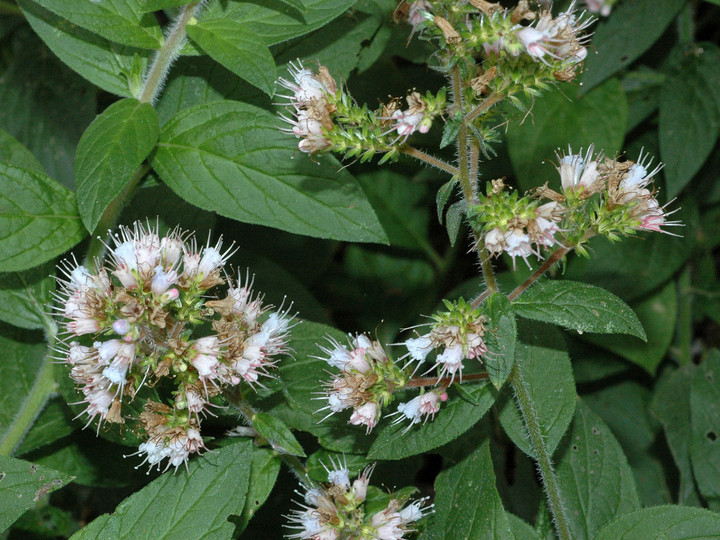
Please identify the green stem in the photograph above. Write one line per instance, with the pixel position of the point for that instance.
(491, 100)
(418, 382)
(686, 23)
(427, 158)
(174, 42)
(543, 457)
(551, 260)
(9, 8)
(96, 248)
(41, 390)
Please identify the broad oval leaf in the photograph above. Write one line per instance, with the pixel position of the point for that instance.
(578, 306)
(598, 118)
(24, 295)
(277, 434)
(705, 425)
(467, 503)
(11, 151)
(239, 49)
(667, 522)
(121, 21)
(455, 417)
(596, 481)
(104, 63)
(545, 367)
(157, 5)
(500, 338)
(38, 218)
(264, 471)
(631, 29)
(690, 115)
(231, 158)
(22, 484)
(214, 488)
(109, 152)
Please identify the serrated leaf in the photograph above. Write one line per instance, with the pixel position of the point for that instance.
(297, 4)
(443, 195)
(545, 367)
(194, 504)
(231, 158)
(13, 152)
(500, 339)
(398, 203)
(109, 153)
(453, 220)
(456, 416)
(705, 425)
(38, 218)
(275, 25)
(450, 131)
(23, 296)
(596, 481)
(560, 118)
(264, 470)
(666, 522)
(102, 62)
(277, 434)
(121, 21)
(22, 484)
(239, 49)
(467, 504)
(578, 306)
(671, 406)
(521, 529)
(53, 423)
(656, 314)
(621, 38)
(690, 116)
(26, 380)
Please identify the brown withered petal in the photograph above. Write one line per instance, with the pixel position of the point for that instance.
(224, 307)
(522, 11)
(451, 35)
(114, 415)
(488, 8)
(416, 104)
(479, 83)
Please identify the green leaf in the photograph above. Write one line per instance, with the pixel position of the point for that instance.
(456, 416)
(24, 295)
(621, 38)
(38, 218)
(705, 425)
(109, 153)
(231, 158)
(596, 481)
(22, 484)
(104, 63)
(578, 306)
(277, 434)
(398, 202)
(453, 220)
(467, 504)
(14, 153)
(239, 49)
(521, 529)
(545, 367)
(297, 4)
(443, 195)
(121, 21)
(657, 315)
(690, 115)
(264, 470)
(671, 405)
(157, 5)
(275, 24)
(500, 339)
(195, 504)
(666, 522)
(597, 118)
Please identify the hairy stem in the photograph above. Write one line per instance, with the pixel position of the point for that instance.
(174, 41)
(542, 454)
(551, 260)
(419, 382)
(427, 158)
(491, 100)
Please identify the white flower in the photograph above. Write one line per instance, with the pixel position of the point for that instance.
(577, 170)
(367, 415)
(495, 241)
(419, 347)
(451, 361)
(638, 176)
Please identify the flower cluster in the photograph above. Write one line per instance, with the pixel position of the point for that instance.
(134, 321)
(457, 334)
(336, 509)
(367, 379)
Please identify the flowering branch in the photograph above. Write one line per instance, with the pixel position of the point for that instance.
(443, 382)
(491, 100)
(550, 261)
(427, 158)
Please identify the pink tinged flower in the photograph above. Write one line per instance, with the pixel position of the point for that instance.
(171, 248)
(79, 354)
(126, 264)
(387, 524)
(80, 327)
(451, 361)
(495, 241)
(517, 244)
(337, 402)
(147, 251)
(425, 405)
(547, 230)
(207, 345)
(532, 39)
(338, 475)
(419, 347)
(360, 485)
(162, 280)
(121, 326)
(412, 512)
(475, 346)
(116, 372)
(494, 48)
(155, 453)
(80, 278)
(107, 350)
(205, 365)
(211, 261)
(99, 400)
(366, 415)
(577, 170)
(416, 13)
